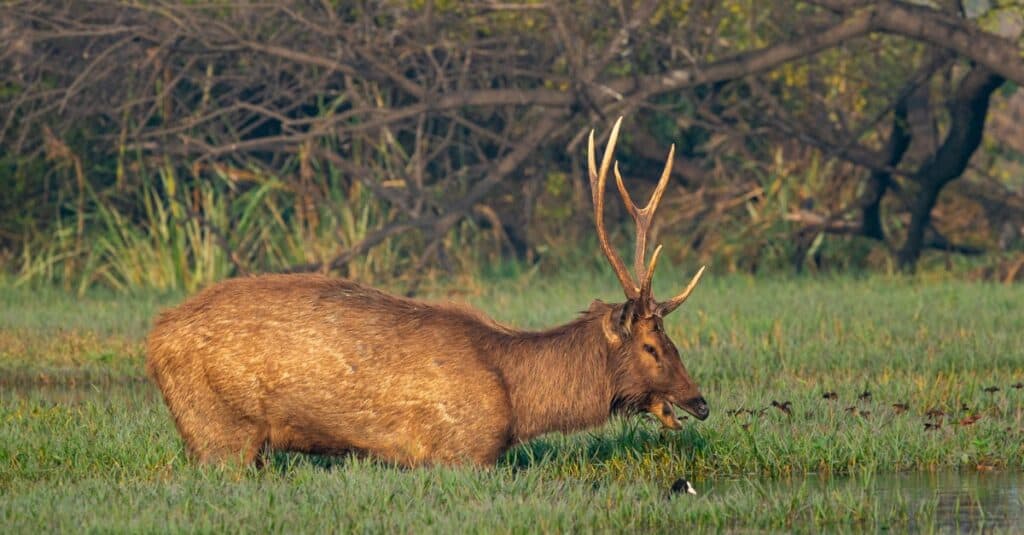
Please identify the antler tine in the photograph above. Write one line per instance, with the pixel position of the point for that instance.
(631, 206)
(640, 252)
(645, 288)
(643, 217)
(668, 306)
(598, 180)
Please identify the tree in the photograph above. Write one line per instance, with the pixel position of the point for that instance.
(437, 109)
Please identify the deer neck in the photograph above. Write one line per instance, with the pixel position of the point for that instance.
(557, 380)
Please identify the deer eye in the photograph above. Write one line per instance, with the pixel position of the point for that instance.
(650, 349)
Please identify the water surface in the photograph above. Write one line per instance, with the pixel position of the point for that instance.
(949, 501)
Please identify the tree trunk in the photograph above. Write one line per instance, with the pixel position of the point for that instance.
(879, 181)
(967, 124)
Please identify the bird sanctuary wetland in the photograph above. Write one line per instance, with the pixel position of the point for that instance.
(836, 403)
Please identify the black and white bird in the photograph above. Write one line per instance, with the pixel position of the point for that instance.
(683, 486)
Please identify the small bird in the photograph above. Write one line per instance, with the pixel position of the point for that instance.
(852, 410)
(991, 389)
(932, 426)
(865, 396)
(934, 413)
(900, 408)
(970, 419)
(682, 486)
(785, 407)
(1018, 385)
(831, 396)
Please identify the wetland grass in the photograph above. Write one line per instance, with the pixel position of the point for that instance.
(86, 443)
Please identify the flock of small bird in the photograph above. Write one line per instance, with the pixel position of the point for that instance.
(934, 419)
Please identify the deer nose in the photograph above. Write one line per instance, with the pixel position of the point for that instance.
(699, 407)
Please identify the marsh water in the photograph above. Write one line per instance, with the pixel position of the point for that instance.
(946, 501)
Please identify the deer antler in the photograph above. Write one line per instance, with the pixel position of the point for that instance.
(642, 217)
(667, 307)
(597, 185)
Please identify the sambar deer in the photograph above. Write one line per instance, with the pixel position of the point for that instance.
(315, 364)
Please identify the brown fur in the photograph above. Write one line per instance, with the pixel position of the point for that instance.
(316, 364)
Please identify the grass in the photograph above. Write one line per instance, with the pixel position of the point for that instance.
(86, 444)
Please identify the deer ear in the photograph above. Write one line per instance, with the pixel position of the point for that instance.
(617, 323)
(626, 317)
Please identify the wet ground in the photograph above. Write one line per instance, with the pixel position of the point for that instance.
(950, 501)
(947, 501)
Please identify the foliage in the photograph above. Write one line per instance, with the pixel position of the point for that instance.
(445, 123)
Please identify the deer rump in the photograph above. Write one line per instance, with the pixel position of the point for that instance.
(319, 365)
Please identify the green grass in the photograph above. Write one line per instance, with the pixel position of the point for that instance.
(85, 442)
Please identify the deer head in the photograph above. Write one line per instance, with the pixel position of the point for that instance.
(650, 373)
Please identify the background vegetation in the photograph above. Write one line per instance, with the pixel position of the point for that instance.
(164, 145)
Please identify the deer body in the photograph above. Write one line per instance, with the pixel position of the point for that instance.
(322, 365)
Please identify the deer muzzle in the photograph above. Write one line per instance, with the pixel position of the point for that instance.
(697, 406)
(662, 410)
